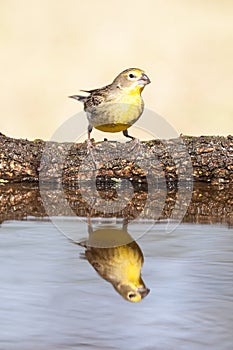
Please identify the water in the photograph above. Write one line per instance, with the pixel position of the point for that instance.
(50, 298)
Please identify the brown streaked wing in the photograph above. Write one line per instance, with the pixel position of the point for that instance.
(96, 97)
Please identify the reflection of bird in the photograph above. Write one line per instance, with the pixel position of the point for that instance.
(119, 263)
(117, 106)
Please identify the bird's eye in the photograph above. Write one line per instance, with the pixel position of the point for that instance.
(132, 76)
(131, 295)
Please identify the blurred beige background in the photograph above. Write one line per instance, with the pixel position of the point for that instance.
(51, 49)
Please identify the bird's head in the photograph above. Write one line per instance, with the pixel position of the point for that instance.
(132, 292)
(132, 79)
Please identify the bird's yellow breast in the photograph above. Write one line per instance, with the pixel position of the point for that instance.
(120, 115)
(133, 271)
(128, 262)
(131, 97)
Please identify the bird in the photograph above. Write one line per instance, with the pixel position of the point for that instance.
(118, 259)
(117, 106)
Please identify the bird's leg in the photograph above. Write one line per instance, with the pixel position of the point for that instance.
(137, 145)
(90, 145)
(126, 134)
(125, 224)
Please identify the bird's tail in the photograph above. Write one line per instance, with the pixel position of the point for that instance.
(79, 98)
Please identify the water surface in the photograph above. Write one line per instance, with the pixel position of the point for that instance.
(50, 298)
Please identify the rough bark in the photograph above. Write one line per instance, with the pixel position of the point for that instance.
(207, 158)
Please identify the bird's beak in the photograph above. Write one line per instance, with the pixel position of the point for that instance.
(76, 97)
(143, 291)
(144, 79)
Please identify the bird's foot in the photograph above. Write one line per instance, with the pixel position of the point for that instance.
(136, 143)
(89, 145)
(90, 148)
(137, 148)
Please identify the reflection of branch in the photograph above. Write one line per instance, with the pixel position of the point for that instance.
(211, 157)
(208, 203)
